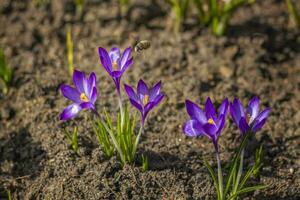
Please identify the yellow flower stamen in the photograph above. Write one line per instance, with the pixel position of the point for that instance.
(248, 116)
(146, 99)
(115, 66)
(210, 121)
(84, 98)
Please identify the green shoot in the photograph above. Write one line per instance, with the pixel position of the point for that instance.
(79, 7)
(9, 196)
(126, 136)
(123, 7)
(217, 14)
(69, 44)
(246, 190)
(103, 138)
(124, 3)
(123, 137)
(235, 183)
(179, 9)
(39, 3)
(145, 163)
(214, 177)
(294, 14)
(73, 139)
(5, 73)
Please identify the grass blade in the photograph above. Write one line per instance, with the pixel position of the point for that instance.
(247, 189)
(214, 177)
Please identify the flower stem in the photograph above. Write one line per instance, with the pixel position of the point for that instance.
(138, 139)
(220, 175)
(121, 111)
(240, 171)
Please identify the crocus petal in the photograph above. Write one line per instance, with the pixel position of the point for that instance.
(80, 81)
(127, 64)
(149, 106)
(243, 126)
(236, 110)
(130, 93)
(158, 98)
(223, 109)
(87, 105)
(155, 91)
(93, 97)
(147, 109)
(262, 116)
(125, 57)
(195, 111)
(116, 74)
(70, 93)
(221, 123)
(70, 112)
(210, 110)
(136, 104)
(105, 60)
(114, 54)
(259, 125)
(91, 84)
(192, 128)
(253, 108)
(210, 130)
(142, 88)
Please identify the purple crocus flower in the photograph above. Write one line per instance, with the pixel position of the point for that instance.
(205, 122)
(115, 63)
(249, 120)
(83, 95)
(145, 99)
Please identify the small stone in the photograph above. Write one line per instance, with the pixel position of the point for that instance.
(158, 118)
(226, 71)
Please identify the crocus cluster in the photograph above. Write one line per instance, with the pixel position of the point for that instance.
(210, 123)
(84, 95)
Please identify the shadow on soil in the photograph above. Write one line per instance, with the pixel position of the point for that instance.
(280, 44)
(20, 157)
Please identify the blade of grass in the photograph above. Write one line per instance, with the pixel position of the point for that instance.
(214, 177)
(234, 163)
(69, 50)
(293, 12)
(248, 189)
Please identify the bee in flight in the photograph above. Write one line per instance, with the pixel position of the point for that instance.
(142, 45)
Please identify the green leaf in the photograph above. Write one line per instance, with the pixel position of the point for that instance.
(73, 138)
(5, 72)
(293, 12)
(69, 44)
(233, 165)
(108, 120)
(9, 196)
(214, 177)
(246, 190)
(145, 163)
(103, 139)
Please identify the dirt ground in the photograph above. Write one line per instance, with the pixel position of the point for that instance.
(260, 55)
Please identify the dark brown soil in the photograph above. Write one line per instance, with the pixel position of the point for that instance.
(260, 55)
